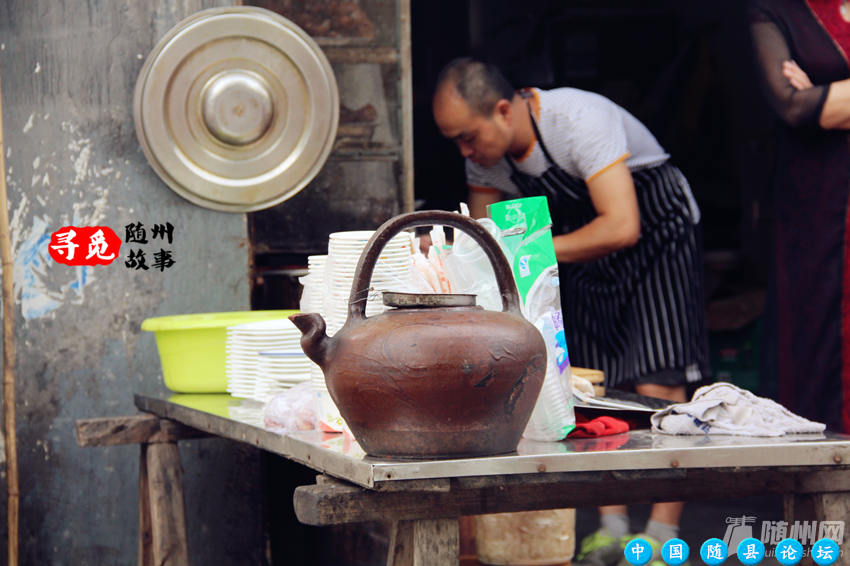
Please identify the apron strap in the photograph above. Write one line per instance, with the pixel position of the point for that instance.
(526, 94)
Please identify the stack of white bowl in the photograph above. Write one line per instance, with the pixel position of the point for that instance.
(392, 271)
(313, 282)
(312, 301)
(249, 375)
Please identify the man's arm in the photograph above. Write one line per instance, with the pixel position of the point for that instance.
(479, 199)
(617, 225)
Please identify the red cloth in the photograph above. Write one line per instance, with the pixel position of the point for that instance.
(828, 13)
(600, 426)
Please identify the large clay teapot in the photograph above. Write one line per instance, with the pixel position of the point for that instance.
(431, 381)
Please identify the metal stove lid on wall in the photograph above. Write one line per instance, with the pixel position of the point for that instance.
(236, 109)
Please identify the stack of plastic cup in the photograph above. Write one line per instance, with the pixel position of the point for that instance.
(313, 282)
(392, 271)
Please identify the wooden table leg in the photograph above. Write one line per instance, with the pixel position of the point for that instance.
(424, 543)
(145, 534)
(832, 513)
(162, 515)
(165, 506)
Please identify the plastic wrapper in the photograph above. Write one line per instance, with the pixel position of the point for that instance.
(581, 386)
(437, 265)
(531, 538)
(526, 237)
(291, 410)
(470, 272)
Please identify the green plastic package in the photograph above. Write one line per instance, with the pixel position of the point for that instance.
(526, 225)
(526, 239)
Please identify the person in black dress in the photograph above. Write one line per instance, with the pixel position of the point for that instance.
(801, 51)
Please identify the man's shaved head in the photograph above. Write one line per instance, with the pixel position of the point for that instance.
(479, 84)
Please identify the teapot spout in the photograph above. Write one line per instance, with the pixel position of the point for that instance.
(314, 340)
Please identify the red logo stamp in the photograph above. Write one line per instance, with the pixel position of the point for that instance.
(85, 245)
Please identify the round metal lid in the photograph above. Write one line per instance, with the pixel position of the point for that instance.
(236, 109)
(414, 300)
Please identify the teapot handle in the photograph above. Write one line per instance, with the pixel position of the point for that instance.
(372, 251)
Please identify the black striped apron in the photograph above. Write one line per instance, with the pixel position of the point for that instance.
(640, 310)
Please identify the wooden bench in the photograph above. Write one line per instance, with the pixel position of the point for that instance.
(162, 515)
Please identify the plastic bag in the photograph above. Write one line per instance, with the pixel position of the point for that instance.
(525, 230)
(291, 410)
(469, 270)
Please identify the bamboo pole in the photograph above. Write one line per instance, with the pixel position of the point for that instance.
(8, 357)
(406, 71)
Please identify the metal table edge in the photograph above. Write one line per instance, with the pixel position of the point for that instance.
(815, 453)
(217, 425)
(369, 471)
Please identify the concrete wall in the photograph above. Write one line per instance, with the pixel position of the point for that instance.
(68, 70)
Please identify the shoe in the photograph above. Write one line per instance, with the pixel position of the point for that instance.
(601, 549)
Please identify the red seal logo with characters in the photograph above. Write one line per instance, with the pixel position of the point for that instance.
(84, 245)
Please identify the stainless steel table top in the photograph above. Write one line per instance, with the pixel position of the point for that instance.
(338, 456)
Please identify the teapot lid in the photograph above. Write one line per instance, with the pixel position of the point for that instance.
(414, 300)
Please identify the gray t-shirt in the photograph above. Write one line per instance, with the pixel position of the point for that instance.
(584, 132)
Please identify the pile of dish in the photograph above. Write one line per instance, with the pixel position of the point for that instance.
(392, 272)
(248, 411)
(311, 298)
(312, 301)
(264, 358)
(327, 291)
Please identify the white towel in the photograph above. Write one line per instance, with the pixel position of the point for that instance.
(723, 408)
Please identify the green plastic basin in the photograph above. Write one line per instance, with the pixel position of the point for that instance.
(191, 347)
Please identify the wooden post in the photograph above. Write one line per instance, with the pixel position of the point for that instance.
(834, 506)
(11, 436)
(145, 527)
(167, 511)
(162, 513)
(424, 543)
(406, 71)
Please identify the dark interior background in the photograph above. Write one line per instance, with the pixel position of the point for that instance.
(685, 70)
(682, 68)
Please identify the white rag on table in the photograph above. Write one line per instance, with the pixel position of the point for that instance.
(722, 408)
